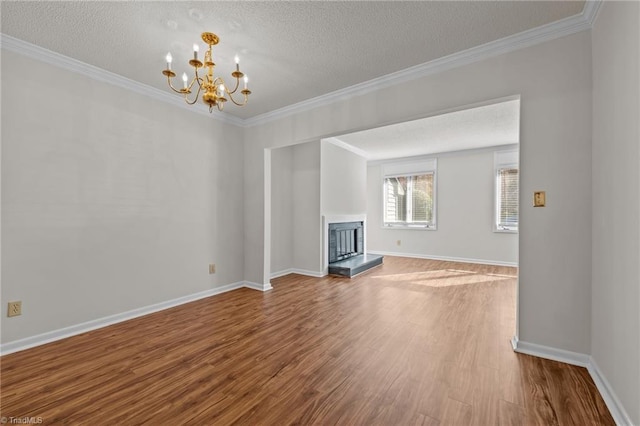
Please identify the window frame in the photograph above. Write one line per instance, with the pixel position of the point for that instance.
(408, 170)
(504, 160)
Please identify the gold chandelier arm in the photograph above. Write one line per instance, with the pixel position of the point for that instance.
(171, 86)
(246, 99)
(235, 88)
(187, 91)
(192, 83)
(186, 99)
(218, 81)
(197, 78)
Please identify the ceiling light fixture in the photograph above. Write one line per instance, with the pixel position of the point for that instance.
(214, 89)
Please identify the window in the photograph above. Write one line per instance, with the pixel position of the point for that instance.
(507, 189)
(507, 217)
(409, 200)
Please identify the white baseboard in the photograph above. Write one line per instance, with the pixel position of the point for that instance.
(614, 405)
(256, 286)
(306, 272)
(568, 357)
(281, 273)
(52, 336)
(445, 258)
(309, 273)
(619, 414)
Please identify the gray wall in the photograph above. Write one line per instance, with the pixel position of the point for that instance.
(282, 207)
(615, 325)
(343, 181)
(465, 210)
(306, 199)
(554, 81)
(111, 201)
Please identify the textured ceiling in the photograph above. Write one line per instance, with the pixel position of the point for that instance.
(291, 51)
(479, 127)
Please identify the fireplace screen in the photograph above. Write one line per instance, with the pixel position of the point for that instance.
(345, 240)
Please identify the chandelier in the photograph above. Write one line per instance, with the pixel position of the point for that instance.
(214, 90)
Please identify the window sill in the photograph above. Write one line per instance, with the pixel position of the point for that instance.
(505, 231)
(411, 228)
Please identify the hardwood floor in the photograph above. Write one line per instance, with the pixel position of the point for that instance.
(413, 342)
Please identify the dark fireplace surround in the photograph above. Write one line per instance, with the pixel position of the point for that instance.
(346, 239)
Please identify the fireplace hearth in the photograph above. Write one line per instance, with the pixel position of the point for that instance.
(346, 249)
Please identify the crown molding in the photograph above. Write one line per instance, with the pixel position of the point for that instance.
(341, 144)
(564, 27)
(544, 33)
(591, 10)
(53, 58)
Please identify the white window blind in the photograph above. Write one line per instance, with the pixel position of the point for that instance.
(507, 190)
(507, 211)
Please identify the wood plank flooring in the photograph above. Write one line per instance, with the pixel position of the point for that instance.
(413, 342)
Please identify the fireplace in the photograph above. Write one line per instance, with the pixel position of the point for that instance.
(346, 239)
(346, 253)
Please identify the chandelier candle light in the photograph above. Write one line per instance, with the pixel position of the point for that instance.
(215, 92)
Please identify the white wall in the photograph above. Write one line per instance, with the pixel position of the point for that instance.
(306, 199)
(465, 210)
(111, 201)
(615, 324)
(554, 81)
(282, 209)
(343, 181)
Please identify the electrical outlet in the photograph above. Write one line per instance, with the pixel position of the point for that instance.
(212, 268)
(14, 309)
